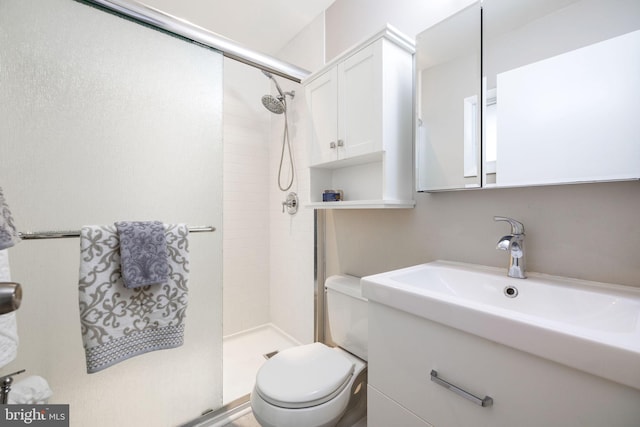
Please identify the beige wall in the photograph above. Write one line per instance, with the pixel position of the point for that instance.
(588, 231)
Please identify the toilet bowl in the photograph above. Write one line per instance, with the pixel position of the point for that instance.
(309, 386)
(314, 385)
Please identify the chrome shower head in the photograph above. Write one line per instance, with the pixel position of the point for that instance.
(273, 104)
(277, 105)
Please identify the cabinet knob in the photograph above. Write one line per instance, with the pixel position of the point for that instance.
(332, 144)
(340, 143)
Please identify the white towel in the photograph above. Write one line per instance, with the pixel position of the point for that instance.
(8, 234)
(5, 274)
(32, 390)
(118, 323)
(8, 325)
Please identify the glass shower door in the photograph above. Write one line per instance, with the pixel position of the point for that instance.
(102, 120)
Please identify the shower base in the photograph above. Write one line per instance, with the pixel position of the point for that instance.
(244, 352)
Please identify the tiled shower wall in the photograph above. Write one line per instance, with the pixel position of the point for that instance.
(291, 240)
(246, 199)
(268, 255)
(292, 236)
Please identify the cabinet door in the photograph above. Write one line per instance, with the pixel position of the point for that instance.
(322, 98)
(527, 391)
(360, 102)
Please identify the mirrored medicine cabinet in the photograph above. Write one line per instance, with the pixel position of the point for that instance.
(529, 92)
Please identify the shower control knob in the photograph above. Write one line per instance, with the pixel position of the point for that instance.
(291, 203)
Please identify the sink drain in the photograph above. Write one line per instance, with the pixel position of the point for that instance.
(511, 291)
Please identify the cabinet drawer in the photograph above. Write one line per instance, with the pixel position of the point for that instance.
(526, 390)
(384, 412)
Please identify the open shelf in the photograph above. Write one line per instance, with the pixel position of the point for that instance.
(363, 204)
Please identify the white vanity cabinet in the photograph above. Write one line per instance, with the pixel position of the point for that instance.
(361, 108)
(526, 390)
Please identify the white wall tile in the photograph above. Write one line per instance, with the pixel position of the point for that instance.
(246, 196)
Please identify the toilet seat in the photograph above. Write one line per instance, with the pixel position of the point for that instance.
(304, 376)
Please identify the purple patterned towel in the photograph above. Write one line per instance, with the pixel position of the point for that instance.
(8, 233)
(119, 323)
(143, 253)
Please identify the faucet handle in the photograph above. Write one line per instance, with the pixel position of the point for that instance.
(516, 226)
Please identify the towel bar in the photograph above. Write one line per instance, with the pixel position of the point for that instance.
(63, 234)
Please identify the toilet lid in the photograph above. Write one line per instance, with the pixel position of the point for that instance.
(303, 376)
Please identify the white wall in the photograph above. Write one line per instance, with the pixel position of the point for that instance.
(586, 231)
(292, 250)
(351, 21)
(246, 198)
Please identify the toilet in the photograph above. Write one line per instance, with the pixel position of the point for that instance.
(315, 385)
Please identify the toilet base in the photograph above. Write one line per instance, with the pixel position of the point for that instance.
(357, 408)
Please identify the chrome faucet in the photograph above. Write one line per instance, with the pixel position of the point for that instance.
(514, 243)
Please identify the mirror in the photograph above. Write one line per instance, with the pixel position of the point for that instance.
(448, 103)
(560, 92)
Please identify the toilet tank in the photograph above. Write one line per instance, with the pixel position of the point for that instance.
(347, 314)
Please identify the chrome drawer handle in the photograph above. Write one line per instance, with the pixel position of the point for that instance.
(486, 402)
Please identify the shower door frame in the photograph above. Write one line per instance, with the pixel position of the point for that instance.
(167, 23)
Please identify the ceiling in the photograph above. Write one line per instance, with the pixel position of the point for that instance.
(262, 25)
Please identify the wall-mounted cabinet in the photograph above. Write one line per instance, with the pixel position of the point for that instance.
(361, 106)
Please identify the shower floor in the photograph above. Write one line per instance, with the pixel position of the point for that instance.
(243, 354)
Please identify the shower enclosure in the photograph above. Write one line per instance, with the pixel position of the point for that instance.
(103, 119)
(263, 280)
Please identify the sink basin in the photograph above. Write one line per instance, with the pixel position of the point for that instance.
(589, 326)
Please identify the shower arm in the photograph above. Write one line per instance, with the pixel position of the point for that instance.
(270, 76)
(291, 94)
